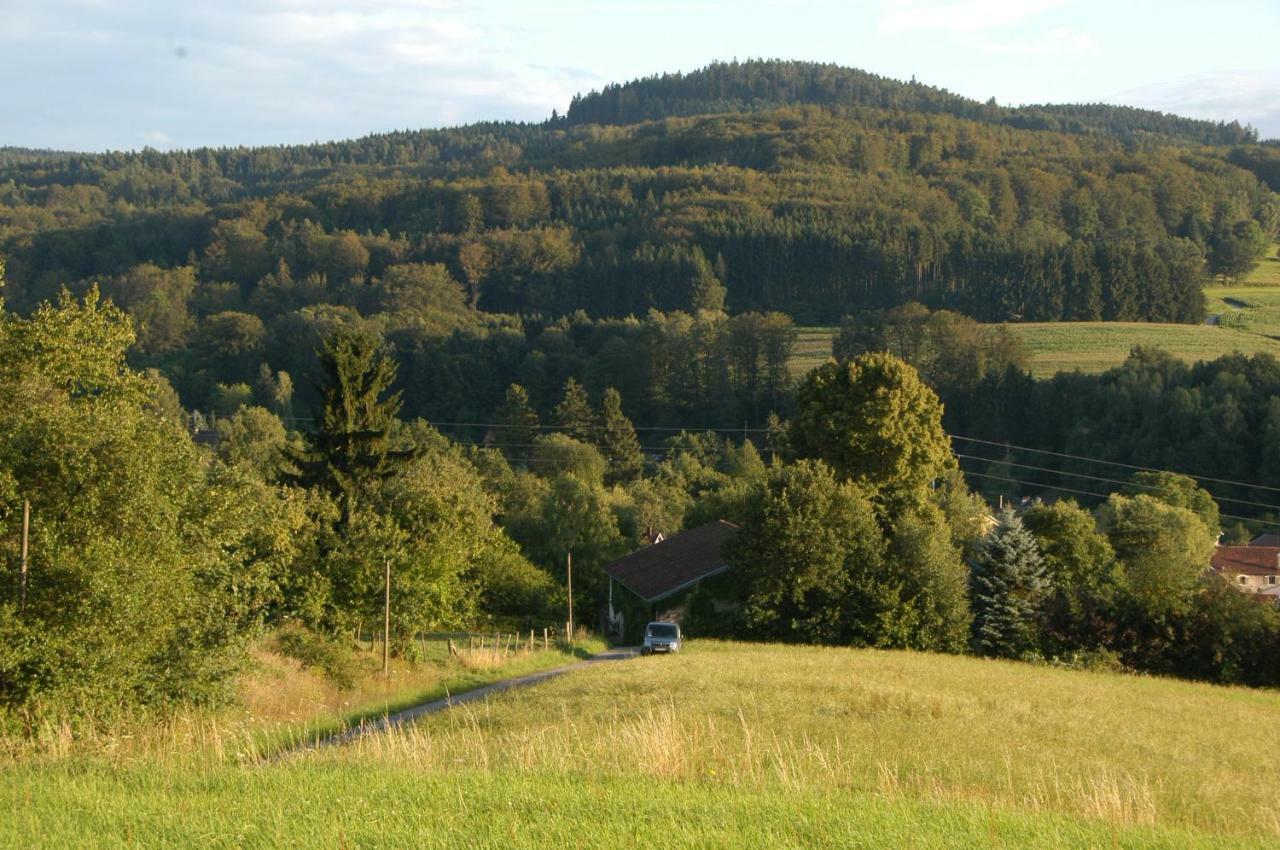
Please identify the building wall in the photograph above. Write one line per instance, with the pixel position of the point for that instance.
(1254, 583)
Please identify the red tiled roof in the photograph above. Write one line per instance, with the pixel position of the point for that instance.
(674, 564)
(1247, 560)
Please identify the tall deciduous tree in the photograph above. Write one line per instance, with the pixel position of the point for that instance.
(1083, 575)
(807, 536)
(1164, 550)
(1180, 491)
(877, 424)
(133, 595)
(927, 577)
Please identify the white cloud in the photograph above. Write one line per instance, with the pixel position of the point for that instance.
(1057, 42)
(1247, 96)
(959, 16)
(266, 71)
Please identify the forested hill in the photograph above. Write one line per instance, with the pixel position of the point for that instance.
(736, 87)
(445, 242)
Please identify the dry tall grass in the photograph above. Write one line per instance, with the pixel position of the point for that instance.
(279, 702)
(1130, 751)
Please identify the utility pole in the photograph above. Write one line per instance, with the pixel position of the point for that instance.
(26, 535)
(569, 567)
(386, 621)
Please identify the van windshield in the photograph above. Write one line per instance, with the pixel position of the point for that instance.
(662, 630)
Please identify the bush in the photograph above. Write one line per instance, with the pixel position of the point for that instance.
(318, 653)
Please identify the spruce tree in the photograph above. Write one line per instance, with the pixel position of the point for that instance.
(574, 414)
(618, 440)
(1006, 586)
(351, 450)
(706, 291)
(517, 424)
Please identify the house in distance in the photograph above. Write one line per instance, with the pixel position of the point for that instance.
(1252, 568)
(655, 582)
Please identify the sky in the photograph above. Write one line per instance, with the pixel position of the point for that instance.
(126, 74)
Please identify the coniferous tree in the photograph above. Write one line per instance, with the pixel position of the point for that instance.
(1005, 589)
(351, 450)
(777, 440)
(574, 413)
(518, 423)
(618, 439)
(706, 291)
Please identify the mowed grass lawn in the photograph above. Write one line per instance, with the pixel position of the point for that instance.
(726, 745)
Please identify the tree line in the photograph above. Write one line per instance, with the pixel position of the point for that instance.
(153, 562)
(867, 535)
(763, 84)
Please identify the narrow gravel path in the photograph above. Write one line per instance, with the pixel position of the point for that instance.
(408, 715)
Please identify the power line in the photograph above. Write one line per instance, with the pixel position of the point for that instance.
(1113, 463)
(1035, 484)
(1098, 495)
(693, 429)
(483, 445)
(1108, 480)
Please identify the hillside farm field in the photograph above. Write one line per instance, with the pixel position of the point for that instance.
(1250, 324)
(1092, 347)
(727, 745)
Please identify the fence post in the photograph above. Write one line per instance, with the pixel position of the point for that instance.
(545, 644)
(568, 559)
(386, 622)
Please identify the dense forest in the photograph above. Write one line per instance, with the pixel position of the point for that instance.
(736, 87)
(757, 188)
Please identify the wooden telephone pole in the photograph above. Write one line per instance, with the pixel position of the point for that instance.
(386, 621)
(569, 567)
(26, 535)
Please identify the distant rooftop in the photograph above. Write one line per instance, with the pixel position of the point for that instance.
(1247, 560)
(676, 563)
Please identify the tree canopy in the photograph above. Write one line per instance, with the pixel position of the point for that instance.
(876, 423)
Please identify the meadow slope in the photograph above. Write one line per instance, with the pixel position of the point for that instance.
(1249, 312)
(726, 745)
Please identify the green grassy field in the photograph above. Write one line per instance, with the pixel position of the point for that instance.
(724, 746)
(1095, 346)
(1250, 312)
(813, 347)
(1253, 304)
